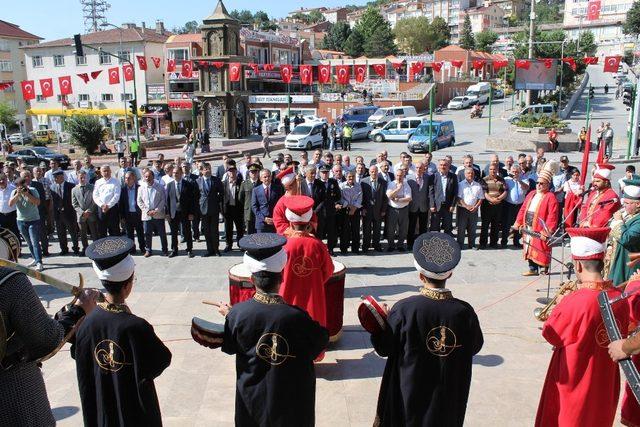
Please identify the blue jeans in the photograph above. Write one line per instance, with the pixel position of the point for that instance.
(30, 231)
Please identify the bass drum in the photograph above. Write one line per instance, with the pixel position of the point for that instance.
(334, 294)
(240, 286)
(9, 245)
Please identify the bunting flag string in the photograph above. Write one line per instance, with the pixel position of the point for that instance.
(5, 85)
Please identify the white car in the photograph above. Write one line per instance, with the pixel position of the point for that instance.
(18, 138)
(305, 136)
(272, 125)
(361, 130)
(314, 119)
(459, 102)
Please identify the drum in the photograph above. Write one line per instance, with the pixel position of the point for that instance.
(240, 286)
(334, 294)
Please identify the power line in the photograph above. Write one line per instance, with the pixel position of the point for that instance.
(94, 13)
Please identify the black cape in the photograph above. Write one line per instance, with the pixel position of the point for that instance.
(118, 355)
(430, 345)
(275, 345)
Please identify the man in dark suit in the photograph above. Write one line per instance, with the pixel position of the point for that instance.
(327, 213)
(130, 213)
(232, 208)
(263, 200)
(443, 191)
(181, 204)
(221, 170)
(211, 197)
(63, 213)
(246, 192)
(419, 206)
(385, 173)
(192, 178)
(86, 209)
(467, 162)
(374, 209)
(313, 187)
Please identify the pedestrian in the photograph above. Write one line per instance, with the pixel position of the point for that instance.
(211, 197)
(607, 137)
(325, 136)
(517, 189)
(26, 200)
(606, 88)
(134, 151)
(470, 197)
(266, 142)
(582, 139)
(120, 147)
(553, 139)
(399, 196)
(232, 208)
(351, 203)
(599, 132)
(332, 137)
(189, 150)
(7, 213)
(182, 202)
(443, 193)
(130, 212)
(206, 142)
(347, 133)
(64, 214)
(495, 192)
(287, 125)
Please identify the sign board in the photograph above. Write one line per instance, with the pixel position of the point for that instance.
(155, 89)
(155, 108)
(537, 77)
(280, 99)
(195, 75)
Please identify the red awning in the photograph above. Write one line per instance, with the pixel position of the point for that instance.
(180, 105)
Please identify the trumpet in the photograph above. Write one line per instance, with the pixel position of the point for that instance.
(542, 313)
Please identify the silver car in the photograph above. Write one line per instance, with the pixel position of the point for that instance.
(459, 103)
(361, 130)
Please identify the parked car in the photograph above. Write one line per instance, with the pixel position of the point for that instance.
(358, 114)
(498, 94)
(397, 129)
(313, 119)
(44, 136)
(305, 136)
(479, 93)
(459, 102)
(386, 114)
(361, 130)
(537, 110)
(34, 155)
(272, 125)
(20, 139)
(443, 134)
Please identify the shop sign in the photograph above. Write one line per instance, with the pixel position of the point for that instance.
(280, 99)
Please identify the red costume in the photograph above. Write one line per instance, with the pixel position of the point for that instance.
(599, 208)
(630, 411)
(546, 210)
(280, 221)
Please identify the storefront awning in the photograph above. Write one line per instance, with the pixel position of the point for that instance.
(68, 112)
(180, 105)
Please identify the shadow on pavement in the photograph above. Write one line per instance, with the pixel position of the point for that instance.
(488, 360)
(379, 271)
(370, 366)
(380, 291)
(63, 412)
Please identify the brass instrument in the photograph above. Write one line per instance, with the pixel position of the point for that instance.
(542, 313)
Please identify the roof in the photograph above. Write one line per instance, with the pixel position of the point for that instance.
(220, 13)
(185, 38)
(135, 34)
(7, 29)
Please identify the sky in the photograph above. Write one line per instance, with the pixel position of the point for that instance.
(63, 18)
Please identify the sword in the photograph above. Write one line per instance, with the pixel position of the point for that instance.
(45, 278)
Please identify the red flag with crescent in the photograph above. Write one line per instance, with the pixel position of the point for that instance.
(235, 69)
(324, 74)
(114, 75)
(306, 74)
(142, 62)
(255, 68)
(127, 72)
(590, 60)
(187, 69)
(611, 64)
(269, 67)
(457, 63)
(218, 64)
(171, 65)
(500, 64)
(570, 62)
(523, 63)
(28, 90)
(156, 61)
(5, 85)
(396, 65)
(95, 74)
(593, 10)
(436, 66)
(548, 62)
(478, 64)
(417, 67)
(46, 87)
(65, 85)
(286, 72)
(343, 73)
(84, 77)
(361, 72)
(380, 69)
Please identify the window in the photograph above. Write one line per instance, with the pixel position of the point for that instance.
(81, 60)
(62, 98)
(36, 61)
(398, 111)
(404, 124)
(83, 97)
(415, 124)
(126, 96)
(104, 58)
(125, 55)
(107, 97)
(179, 55)
(40, 98)
(4, 46)
(6, 66)
(58, 60)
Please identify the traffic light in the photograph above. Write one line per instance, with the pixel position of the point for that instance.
(133, 107)
(195, 107)
(591, 92)
(628, 97)
(78, 44)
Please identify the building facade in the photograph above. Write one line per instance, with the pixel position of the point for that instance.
(607, 30)
(485, 17)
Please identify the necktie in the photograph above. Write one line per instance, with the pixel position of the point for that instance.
(60, 190)
(266, 193)
(207, 185)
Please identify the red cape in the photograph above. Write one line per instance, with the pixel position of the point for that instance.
(599, 208)
(538, 251)
(280, 221)
(630, 411)
(583, 383)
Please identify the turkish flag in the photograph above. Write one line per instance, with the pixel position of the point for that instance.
(114, 75)
(593, 10)
(5, 85)
(218, 64)
(396, 65)
(65, 85)
(548, 62)
(590, 60)
(500, 64)
(269, 67)
(28, 90)
(360, 72)
(156, 61)
(523, 63)
(235, 69)
(478, 64)
(95, 74)
(286, 72)
(306, 74)
(570, 62)
(417, 67)
(127, 72)
(324, 74)
(171, 65)
(611, 64)
(255, 68)
(187, 69)
(380, 69)
(343, 73)
(84, 77)
(142, 62)
(46, 86)
(457, 64)
(436, 66)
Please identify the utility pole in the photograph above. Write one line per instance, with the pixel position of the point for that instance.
(490, 101)
(589, 105)
(634, 122)
(431, 116)
(532, 17)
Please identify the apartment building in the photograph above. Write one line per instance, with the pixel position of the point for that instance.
(607, 29)
(485, 17)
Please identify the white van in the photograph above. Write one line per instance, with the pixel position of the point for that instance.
(397, 129)
(305, 136)
(537, 110)
(479, 93)
(385, 114)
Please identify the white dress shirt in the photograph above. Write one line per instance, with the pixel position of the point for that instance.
(470, 193)
(166, 179)
(5, 195)
(106, 192)
(405, 191)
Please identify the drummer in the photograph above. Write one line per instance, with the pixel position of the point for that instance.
(274, 343)
(291, 182)
(309, 265)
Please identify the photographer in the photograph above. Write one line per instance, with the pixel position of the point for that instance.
(26, 200)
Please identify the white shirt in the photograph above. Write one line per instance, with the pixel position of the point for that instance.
(470, 193)
(106, 192)
(411, 168)
(402, 193)
(120, 146)
(166, 179)
(72, 177)
(49, 175)
(5, 195)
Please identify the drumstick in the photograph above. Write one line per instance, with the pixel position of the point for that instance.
(215, 304)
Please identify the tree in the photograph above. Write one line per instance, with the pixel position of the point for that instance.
(485, 39)
(354, 45)
(413, 34)
(190, 27)
(337, 35)
(441, 33)
(86, 131)
(262, 22)
(315, 16)
(7, 115)
(467, 41)
(628, 57)
(374, 29)
(632, 24)
(372, 21)
(380, 43)
(244, 16)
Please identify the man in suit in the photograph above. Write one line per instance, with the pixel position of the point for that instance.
(374, 207)
(130, 213)
(211, 198)
(313, 187)
(86, 209)
(384, 171)
(152, 203)
(327, 213)
(63, 213)
(467, 162)
(263, 200)
(419, 206)
(443, 193)
(45, 195)
(181, 204)
(246, 191)
(221, 170)
(192, 178)
(232, 208)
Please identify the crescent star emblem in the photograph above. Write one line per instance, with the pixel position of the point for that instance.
(65, 83)
(114, 74)
(28, 88)
(46, 85)
(612, 61)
